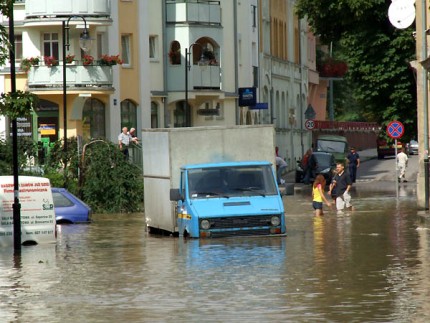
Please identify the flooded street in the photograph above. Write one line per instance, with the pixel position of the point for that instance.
(368, 265)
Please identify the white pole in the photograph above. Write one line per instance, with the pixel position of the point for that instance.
(397, 171)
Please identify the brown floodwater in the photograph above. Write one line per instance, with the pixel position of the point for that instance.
(368, 265)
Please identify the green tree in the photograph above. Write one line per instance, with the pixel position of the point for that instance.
(380, 79)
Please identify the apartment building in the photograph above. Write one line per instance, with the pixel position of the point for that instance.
(183, 63)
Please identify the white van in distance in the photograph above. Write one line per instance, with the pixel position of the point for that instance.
(37, 210)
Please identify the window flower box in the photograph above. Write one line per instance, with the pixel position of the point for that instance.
(87, 60)
(50, 61)
(109, 60)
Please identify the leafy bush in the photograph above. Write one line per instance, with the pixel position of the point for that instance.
(109, 183)
(27, 150)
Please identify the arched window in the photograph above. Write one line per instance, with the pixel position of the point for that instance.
(208, 49)
(128, 114)
(175, 53)
(154, 114)
(93, 119)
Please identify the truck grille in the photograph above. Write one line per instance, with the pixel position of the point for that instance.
(240, 222)
(240, 226)
(240, 233)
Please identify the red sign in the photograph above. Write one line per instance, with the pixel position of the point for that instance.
(395, 129)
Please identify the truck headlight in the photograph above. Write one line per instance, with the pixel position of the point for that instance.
(275, 221)
(205, 224)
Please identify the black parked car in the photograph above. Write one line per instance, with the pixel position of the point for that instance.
(321, 163)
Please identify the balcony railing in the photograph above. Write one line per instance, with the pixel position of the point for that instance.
(76, 76)
(208, 77)
(52, 8)
(194, 12)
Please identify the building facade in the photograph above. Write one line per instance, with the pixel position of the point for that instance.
(183, 63)
(285, 77)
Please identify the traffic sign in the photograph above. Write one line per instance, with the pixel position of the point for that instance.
(395, 129)
(310, 124)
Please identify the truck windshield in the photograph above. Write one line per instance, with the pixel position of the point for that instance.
(231, 181)
(331, 146)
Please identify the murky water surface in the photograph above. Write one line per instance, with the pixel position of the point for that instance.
(369, 265)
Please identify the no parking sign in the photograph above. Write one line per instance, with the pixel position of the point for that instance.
(395, 129)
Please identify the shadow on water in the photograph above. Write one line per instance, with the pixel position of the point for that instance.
(371, 264)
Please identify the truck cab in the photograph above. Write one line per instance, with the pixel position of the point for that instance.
(337, 145)
(386, 147)
(228, 199)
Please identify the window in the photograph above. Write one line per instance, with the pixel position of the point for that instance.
(175, 53)
(100, 45)
(180, 116)
(128, 114)
(60, 200)
(93, 119)
(50, 45)
(153, 53)
(154, 115)
(254, 16)
(126, 50)
(18, 47)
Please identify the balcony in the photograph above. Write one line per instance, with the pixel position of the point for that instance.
(76, 76)
(204, 12)
(208, 77)
(56, 8)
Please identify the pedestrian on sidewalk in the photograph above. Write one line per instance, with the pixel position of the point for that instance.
(281, 166)
(353, 163)
(318, 195)
(341, 186)
(402, 163)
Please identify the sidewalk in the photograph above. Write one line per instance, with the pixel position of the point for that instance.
(365, 155)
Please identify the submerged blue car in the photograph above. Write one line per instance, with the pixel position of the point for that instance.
(68, 208)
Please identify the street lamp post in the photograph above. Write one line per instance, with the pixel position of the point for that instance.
(85, 44)
(202, 62)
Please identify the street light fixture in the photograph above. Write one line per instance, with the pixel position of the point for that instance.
(85, 43)
(202, 63)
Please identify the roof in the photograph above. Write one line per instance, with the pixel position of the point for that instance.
(227, 164)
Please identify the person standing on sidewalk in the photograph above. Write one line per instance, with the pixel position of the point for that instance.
(402, 163)
(353, 163)
(340, 186)
(281, 166)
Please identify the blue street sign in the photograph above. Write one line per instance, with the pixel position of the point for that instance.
(395, 129)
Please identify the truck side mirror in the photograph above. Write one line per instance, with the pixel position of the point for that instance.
(175, 195)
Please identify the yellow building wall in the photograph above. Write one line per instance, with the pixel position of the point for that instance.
(128, 25)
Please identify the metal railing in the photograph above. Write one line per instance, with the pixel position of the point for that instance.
(135, 155)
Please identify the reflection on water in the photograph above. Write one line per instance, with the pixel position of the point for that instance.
(371, 264)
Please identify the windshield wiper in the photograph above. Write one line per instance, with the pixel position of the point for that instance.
(250, 189)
